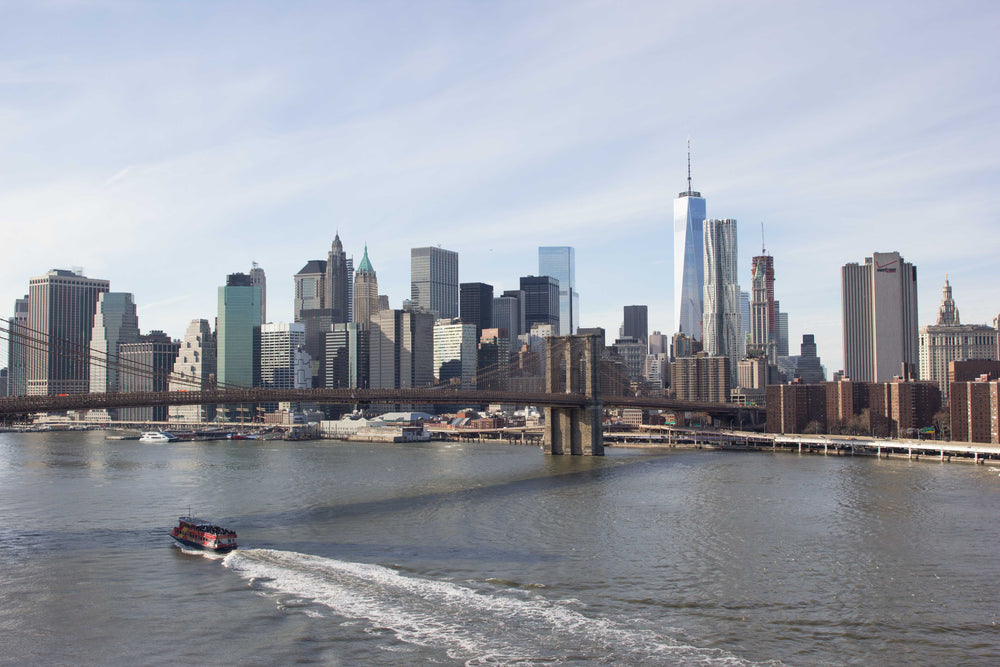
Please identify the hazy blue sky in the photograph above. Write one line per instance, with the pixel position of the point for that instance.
(163, 145)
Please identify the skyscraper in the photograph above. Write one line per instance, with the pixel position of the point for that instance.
(61, 308)
(115, 322)
(763, 323)
(477, 305)
(879, 317)
(434, 281)
(194, 370)
(636, 324)
(560, 263)
(455, 347)
(338, 279)
(145, 366)
(508, 315)
(239, 332)
(258, 278)
(541, 301)
(347, 355)
(401, 349)
(17, 349)
(721, 320)
(365, 293)
(689, 268)
(809, 370)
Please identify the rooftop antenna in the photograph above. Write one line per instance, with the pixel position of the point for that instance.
(689, 165)
(763, 251)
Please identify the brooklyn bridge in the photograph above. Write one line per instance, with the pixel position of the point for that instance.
(572, 383)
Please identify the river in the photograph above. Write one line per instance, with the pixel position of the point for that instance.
(444, 553)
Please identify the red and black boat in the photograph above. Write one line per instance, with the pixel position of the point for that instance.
(202, 534)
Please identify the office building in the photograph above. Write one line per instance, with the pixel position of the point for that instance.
(763, 322)
(258, 279)
(339, 278)
(282, 356)
(115, 322)
(560, 263)
(493, 360)
(401, 349)
(347, 358)
(366, 301)
(350, 287)
(633, 353)
(689, 267)
(239, 332)
(455, 347)
(721, 326)
(636, 324)
(145, 366)
(477, 305)
(508, 315)
(541, 301)
(809, 370)
(61, 307)
(657, 370)
(879, 317)
(949, 340)
(17, 349)
(434, 281)
(659, 343)
(781, 335)
(194, 370)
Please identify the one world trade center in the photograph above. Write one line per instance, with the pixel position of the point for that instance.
(689, 268)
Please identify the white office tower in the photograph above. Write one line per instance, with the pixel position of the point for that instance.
(880, 317)
(115, 322)
(689, 272)
(194, 370)
(455, 357)
(721, 322)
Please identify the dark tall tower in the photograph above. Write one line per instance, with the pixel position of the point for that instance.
(541, 301)
(477, 305)
(637, 324)
(338, 276)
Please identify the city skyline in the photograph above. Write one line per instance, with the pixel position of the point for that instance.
(888, 145)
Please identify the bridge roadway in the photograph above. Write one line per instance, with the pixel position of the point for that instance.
(19, 405)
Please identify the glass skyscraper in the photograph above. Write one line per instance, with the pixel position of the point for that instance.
(559, 262)
(434, 281)
(689, 270)
(723, 328)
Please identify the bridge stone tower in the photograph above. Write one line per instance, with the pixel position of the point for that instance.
(573, 366)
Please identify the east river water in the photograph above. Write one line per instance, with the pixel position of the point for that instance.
(375, 554)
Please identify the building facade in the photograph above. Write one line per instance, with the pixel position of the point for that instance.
(259, 280)
(635, 324)
(401, 350)
(477, 305)
(455, 348)
(194, 370)
(949, 340)
(763, 323)
(721, 320)
(879, 317)
(541, 301)
(115, 322)
(434, 281)
(560, 263)
(17, 349)
(809, 370)
(146, 366)
(239, 332)
(61, 307)
(701, 378)
(508, 315)
(347, 358)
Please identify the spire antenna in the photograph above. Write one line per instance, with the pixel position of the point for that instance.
(763, 250)
(689, 166)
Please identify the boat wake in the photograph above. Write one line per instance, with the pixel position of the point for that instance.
(478, 626)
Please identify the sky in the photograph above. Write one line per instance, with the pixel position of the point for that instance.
(163, 146)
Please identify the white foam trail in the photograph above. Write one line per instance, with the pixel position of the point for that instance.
(475, 626)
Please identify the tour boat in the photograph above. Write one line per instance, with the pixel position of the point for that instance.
(203, 534)
(157, 436)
